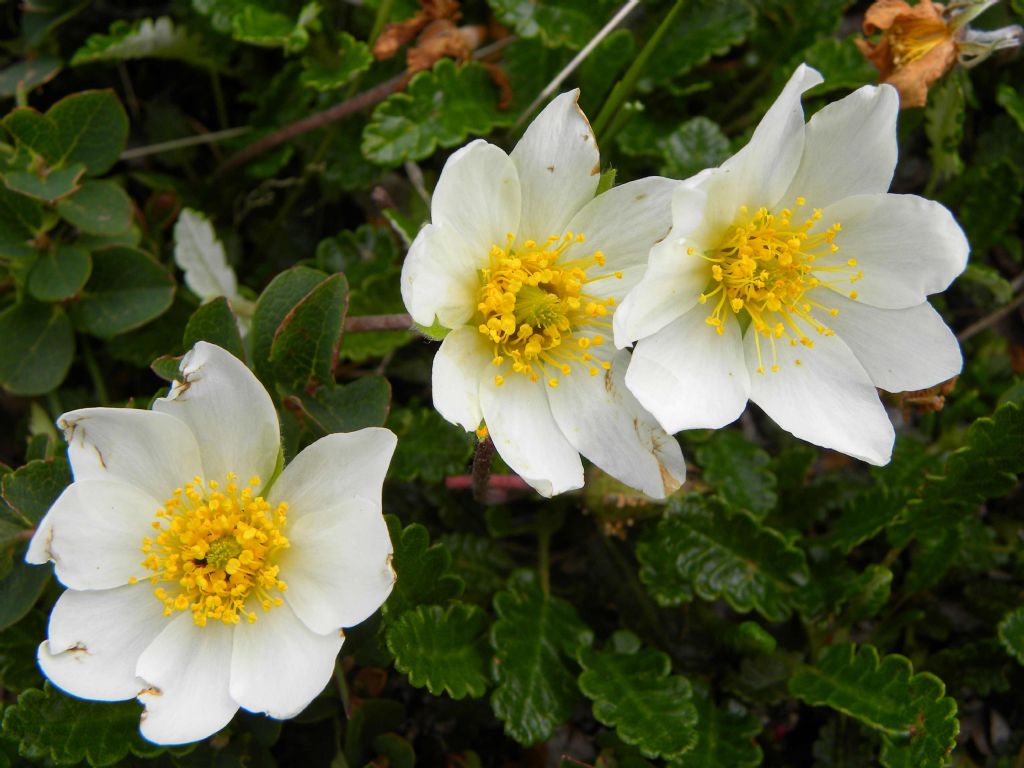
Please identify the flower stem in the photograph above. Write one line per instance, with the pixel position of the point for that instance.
(95, 373)
(624, 88)
(482, 469)
(362, 323)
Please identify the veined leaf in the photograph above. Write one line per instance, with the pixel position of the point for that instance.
(533, 637)
(442, 649)
(917, 720)
(725, 735)
(634, 691)
(143, 39)
(1011, 633)
(739, 472)
(422, 569)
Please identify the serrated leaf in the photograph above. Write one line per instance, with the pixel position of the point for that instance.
(48, 187)
(570, 23)
(38, 346)
(334, 69)
(143, 39)
(944, 124)
(695, 145)
(305, 346)
(722, 555)
(20, 589)
(1011, 633)
(28, 75)
(725, 735)
(422, 570)
(739, 471)
(634, 691)
(442, 649)
(98, 208)
(199, 253)
(705, 28)
(128, 288)
(332, 408)
(1012, 102)
(533, 637)
(481, 562)
(841, 63)
(912, 711)
(59, 273)
(864, 517)
(991, 206)
(216, 323)
(277, 300)
(440, 107)
(29, 491)
(49, 724)
(270, 29)
(428, 446)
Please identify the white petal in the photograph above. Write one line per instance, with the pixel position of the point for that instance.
(763, 169)
(228, 410)
(849, 148)
(278, 666)
(605, 423)
(901, 349)
(626, 221)
(459, 364)
(670, 287)
(152, 451)
(688, 376)
(525, 435)
(559, 168)
(435, 281)
(906, 246)
(333, 469)
(93, 534)
(478, 199)
(828, 399)
(338, 567)
(187, 668)
(96, 639)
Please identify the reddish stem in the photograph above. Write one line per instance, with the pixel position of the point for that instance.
(396, 322)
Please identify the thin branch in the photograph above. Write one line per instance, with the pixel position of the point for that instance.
(578, 59)
(396, 322)
(992, 318)
(188, 141)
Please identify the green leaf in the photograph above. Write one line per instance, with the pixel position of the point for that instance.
(869, 594)
(18, 647)
(37, 349)
(533, 637)
(570, 23)
(270, 29)
(442, 649)
(128, 288)
(305, 346)
(35, 131)
(21, 219)
(634, 691)
(50, 725)
(695, 145)
(20, 589)
(216, 323)
(912, 711)
(421, 569)
(1012, 102)
(277, 300)
(59, 273)
(739, 471)
(143, 39)
(438, 108)
(428, 446)
(48, 187)
(98, 208)
(334, 69)
(28, 75)
(864, 517)
(30, 491)
(1011, 633)
(944, 124)
(332, 408)
(992, 204)
(841, 64)
(91, 128)
(725, 735)
(481, 562)
(722, 555)
(704, 29)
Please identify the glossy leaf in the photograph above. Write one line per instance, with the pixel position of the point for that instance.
(422, 569)
(305, 346)
(739, 472)
(37, 349)
(216, 323)
(725, 735)
(345, 408)
(277, 300)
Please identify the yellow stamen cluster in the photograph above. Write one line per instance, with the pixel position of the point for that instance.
(536, 312)
(214, 551)
(765, 266)
(911, 38)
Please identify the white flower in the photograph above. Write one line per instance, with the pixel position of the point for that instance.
(190, 584)
(793, 279)
(525, 266)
